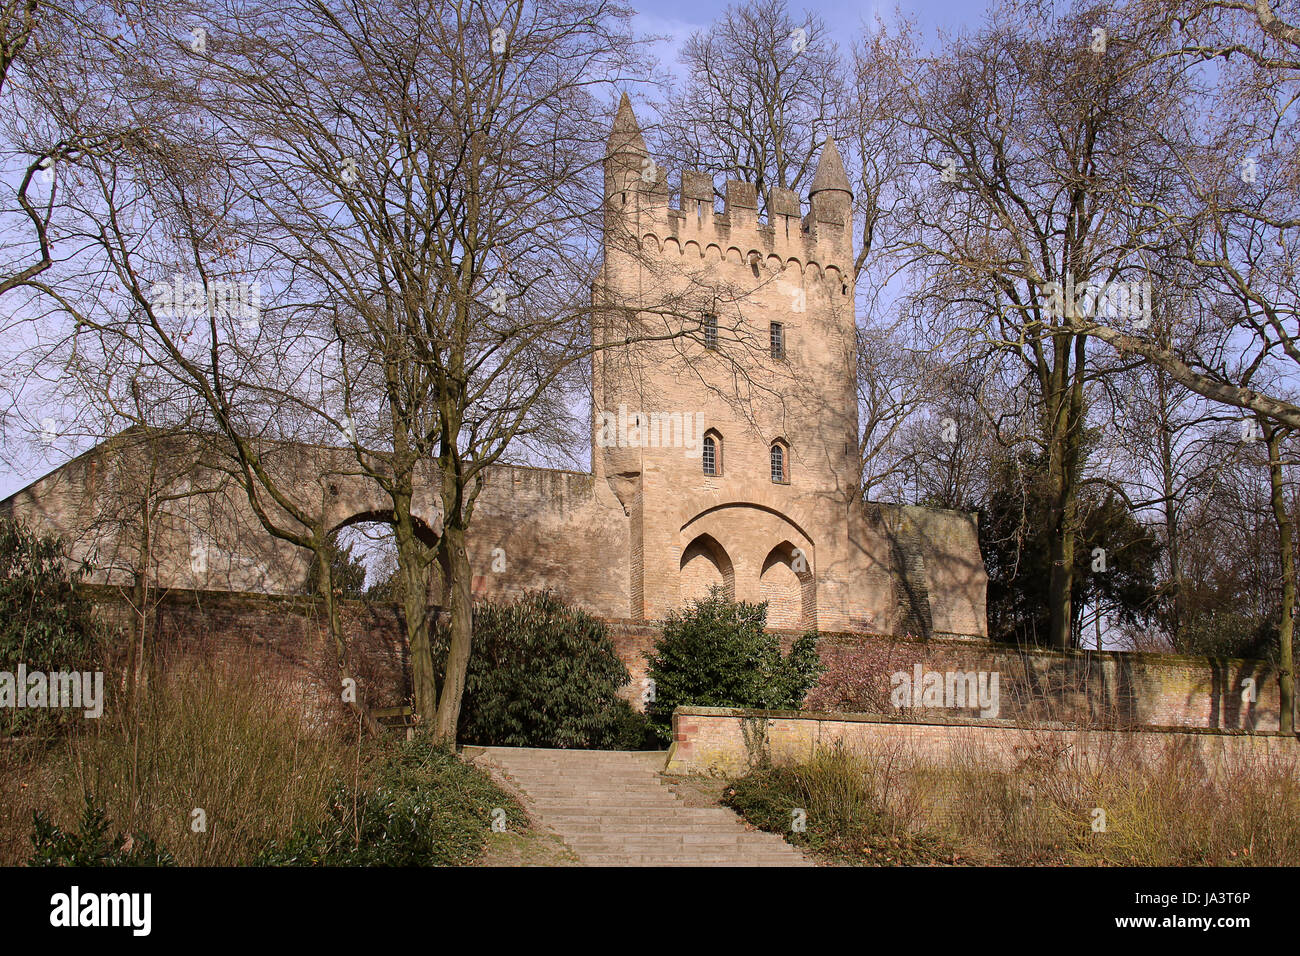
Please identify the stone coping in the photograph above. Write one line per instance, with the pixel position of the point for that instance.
(964, 642)
(975, 722)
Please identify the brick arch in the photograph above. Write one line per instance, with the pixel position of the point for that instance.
(426, 533)
(748, 532)
(762, 507)
(788, 587)
(704, 564)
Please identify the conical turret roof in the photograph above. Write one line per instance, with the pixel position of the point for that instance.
(830, 171)
(625, 135)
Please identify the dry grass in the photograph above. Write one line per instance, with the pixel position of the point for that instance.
(205, 736)
(1161, 809)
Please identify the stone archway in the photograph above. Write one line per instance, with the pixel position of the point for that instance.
(771, 558)
(787, 586)
(705, 564)
(367, 534)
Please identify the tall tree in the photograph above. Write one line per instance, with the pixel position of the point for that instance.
(1030, 155)
(419, 190)
(765, 87)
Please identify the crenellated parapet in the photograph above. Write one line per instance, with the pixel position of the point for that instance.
(817, 241)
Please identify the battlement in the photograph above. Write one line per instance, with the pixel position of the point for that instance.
(639, 209)
(642, 212)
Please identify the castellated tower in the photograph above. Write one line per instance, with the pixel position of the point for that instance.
(724, 444)
(733, 447)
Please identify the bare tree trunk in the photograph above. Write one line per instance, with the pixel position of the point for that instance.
(1285, 672)
(415, 606)
(1060, 590)
(413, 566)
(458, 582)
(325, 585)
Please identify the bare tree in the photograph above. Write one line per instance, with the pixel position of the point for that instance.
(765, 87)
(1028, 151)
(424, 214)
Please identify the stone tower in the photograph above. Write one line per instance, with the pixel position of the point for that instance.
(724, 441)
(726, 423)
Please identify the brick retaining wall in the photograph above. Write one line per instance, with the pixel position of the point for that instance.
(1114, 689)
(731, 740)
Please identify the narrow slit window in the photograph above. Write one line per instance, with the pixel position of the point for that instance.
(777, 338)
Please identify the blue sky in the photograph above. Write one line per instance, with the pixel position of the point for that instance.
(679, 18)
(682, 16)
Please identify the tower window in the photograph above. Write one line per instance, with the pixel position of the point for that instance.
(780, 464)
(777, 338)
(711, 453)
(710, 331)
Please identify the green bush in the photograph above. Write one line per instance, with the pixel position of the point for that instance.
(716, 653)
(423, 806)
(45, 621)
(91, 844)
(542, 674)
(632, 730)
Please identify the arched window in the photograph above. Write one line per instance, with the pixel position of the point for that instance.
(711, 453)
(780, 463)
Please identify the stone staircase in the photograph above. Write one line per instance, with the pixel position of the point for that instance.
(611, 808)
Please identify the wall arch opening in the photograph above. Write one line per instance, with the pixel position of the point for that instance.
(789, 588)
(705, 564)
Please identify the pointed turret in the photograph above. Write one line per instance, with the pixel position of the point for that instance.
(830, 173)
(625, 135)
(830, 197)
(634, 185)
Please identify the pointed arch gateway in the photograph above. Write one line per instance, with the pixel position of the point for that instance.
(773, 556)
(705, 564)
(788, 587)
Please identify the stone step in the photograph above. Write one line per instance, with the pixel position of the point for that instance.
(666, 839)
(636, 773)
(576, 764)
(650, 789)
(546, 779)
(572, 758)
(647, 815)
(612, 809)
(739, 860)
(564, 793)
(599, 826)
(601, 803)
(666, 864)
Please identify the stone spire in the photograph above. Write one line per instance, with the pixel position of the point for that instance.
(625, 135)
(830, 173)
